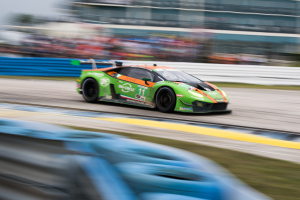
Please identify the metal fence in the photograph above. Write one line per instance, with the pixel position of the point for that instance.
(252, 74)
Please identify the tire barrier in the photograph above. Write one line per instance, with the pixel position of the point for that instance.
(43, 161)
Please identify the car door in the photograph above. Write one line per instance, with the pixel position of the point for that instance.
(132, 87)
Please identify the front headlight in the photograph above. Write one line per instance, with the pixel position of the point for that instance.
(224, 93)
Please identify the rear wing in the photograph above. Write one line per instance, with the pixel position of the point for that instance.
(94, 63)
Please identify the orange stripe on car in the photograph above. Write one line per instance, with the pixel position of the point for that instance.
(204, 94)
(136, 81)
(112, 73)
(211, 85)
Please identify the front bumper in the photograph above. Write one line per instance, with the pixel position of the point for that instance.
(199, 106)
(204, 107)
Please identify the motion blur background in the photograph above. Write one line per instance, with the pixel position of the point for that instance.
(258, 32)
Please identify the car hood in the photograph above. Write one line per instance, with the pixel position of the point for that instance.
(201, 86)
(204, 90)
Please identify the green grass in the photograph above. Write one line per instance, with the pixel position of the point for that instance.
(220, 84)
(277, 179)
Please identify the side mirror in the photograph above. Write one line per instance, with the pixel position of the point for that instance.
(146, 79)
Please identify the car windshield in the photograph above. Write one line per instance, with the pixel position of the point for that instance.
(176, 75)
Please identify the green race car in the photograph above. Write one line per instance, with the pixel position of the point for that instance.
(160, 87)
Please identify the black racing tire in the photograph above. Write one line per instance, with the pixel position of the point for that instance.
(90, 90)
(165, 100)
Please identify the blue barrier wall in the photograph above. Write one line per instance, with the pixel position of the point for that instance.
(41, 67)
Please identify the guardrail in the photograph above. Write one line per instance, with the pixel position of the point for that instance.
(253, 74)
(41, 161)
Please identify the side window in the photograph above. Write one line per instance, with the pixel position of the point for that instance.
(124, 71)
(157, 78)
(140, 74)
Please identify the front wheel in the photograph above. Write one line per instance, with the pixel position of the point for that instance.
(90, 90)
(165, 100)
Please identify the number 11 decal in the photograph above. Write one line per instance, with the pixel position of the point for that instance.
(141, 92)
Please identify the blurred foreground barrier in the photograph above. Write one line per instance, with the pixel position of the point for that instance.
(42, 161)
(132, 151)
(253, 74)
(146, 177)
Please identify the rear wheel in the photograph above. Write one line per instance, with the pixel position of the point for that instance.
(165, 99)
(90, 90)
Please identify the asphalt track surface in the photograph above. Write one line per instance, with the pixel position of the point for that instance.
(264, 109)
(256, 108)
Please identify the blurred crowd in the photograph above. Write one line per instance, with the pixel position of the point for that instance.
(137, 48)
(158, 48)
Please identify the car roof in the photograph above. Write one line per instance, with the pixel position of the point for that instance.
(150, 67)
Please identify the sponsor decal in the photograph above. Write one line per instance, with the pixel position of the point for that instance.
(107, 97)
(130, 98)
(214, 93)
(95, 74)
(199, 104)
(170, 82)
(126, 88)
(104, 81)
(220, 100)
(135, 101)
(141, 92)
(184, 108)
(179, 95)
(140, 97)
(186, 86)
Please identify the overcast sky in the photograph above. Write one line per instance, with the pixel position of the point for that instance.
(34, 7)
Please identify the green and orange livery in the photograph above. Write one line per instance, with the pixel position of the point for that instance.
(154, 86)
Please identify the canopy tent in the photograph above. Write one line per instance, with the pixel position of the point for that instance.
(71, 30)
